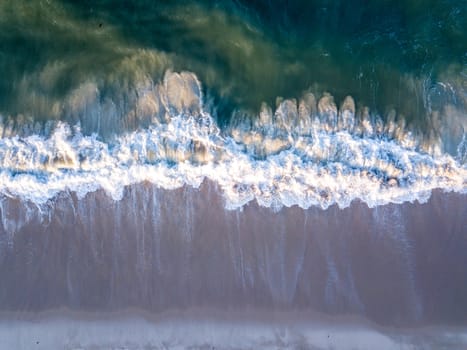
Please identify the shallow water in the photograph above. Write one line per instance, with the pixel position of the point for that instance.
(160, 250)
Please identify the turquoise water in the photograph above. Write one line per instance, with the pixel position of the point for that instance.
(387, 55)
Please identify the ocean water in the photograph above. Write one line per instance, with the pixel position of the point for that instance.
(310, 143)
(307, 103)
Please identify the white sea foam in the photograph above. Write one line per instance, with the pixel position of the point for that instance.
(303, 155)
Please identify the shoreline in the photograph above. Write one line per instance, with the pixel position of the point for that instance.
(192, 329)
(162, 250)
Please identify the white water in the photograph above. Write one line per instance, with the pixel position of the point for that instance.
(310, 154)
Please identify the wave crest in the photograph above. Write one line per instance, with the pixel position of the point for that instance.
(306, 153)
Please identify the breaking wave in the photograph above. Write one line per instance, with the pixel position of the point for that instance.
(305, 153)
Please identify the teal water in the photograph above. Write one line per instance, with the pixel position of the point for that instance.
(409, 57)
(283, 102)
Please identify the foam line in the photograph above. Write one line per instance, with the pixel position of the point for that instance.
(299, 155)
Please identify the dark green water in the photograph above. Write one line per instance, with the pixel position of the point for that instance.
(409, 56)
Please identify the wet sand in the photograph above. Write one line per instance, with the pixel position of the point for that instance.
(400, 266)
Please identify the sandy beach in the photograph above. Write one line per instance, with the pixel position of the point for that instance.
(158, 250)
(198, 329)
